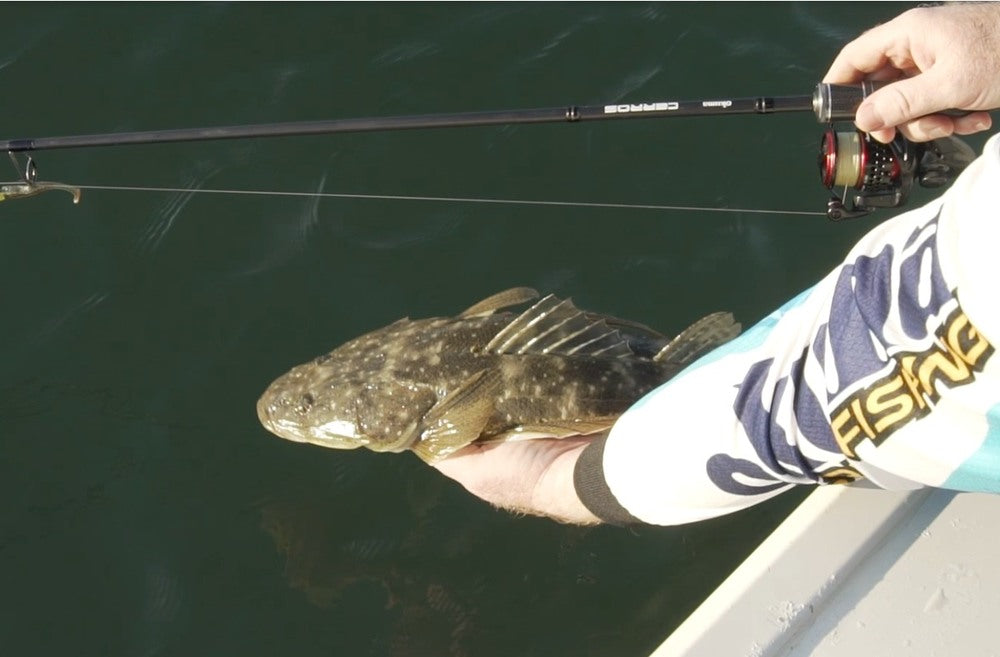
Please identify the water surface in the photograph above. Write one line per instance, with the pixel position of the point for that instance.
(148, 513)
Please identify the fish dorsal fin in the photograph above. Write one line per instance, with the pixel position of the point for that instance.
(556, 326)
(511, 297)
(628, 326)
(698, 339)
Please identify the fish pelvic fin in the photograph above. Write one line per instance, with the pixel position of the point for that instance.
(556, 326)
(698, 339)
(512, 297)
(554, 429)
(460, 417)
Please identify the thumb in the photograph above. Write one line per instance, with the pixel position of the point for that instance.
(901, 102)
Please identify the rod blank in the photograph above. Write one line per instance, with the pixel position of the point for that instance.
(572, 114)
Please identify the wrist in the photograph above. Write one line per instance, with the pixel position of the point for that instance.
(555, 493)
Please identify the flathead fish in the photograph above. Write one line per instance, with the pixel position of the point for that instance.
(435, 385)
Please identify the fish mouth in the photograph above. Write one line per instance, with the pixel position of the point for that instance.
(277, 426)
(338, 434)
(264, 413)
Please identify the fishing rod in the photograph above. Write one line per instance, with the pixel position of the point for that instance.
(880, 174)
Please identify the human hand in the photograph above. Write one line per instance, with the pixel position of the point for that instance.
(943, 58)
(527, 476)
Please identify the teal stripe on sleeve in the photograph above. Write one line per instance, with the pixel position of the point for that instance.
(981, 471)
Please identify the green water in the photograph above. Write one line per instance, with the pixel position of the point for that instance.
(146, 511)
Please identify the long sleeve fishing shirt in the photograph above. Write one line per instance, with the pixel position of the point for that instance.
(885, 370)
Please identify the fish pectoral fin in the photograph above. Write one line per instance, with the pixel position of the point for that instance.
(698, 339)
(460, 417)
(512, 297)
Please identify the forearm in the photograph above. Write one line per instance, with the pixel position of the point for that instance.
(885, 369)
(860, 376)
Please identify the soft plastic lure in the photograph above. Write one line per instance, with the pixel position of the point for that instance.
(29, 185)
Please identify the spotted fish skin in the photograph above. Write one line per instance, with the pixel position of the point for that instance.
(436, 385)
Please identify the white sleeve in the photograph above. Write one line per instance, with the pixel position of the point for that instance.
(884, 370)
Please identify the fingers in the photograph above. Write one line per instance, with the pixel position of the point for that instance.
(902, 102)
(884, 136)
(481, 465)
(467, 463)
(940, 58)
(972, 123)
(927, 128)
(934, 126)
(529, 476)
(867, 57)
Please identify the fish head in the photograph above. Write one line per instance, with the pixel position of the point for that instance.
(327, 404)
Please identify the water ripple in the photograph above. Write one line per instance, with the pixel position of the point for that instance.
(289, 234)
(281, 77)
(53, 325)
(163, 598)
(635, 81)
(152, 236)
(835, 32)
(557, 40)
(405, 52)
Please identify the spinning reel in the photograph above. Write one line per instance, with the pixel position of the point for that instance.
(876, 175)
(872, 174)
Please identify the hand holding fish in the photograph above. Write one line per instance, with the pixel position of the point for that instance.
(531, 476)
(943, 57)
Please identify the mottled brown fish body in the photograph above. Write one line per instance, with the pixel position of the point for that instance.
(437, 385)
(559, 388)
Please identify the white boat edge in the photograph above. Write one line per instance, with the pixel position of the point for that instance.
(854, 570)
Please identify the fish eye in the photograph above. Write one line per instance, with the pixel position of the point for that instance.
(305, 403)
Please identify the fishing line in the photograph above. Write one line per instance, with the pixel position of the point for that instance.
(448, 199)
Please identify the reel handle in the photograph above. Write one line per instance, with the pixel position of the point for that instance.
(839, 102)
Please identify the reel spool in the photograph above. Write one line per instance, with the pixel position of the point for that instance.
(881, 175)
